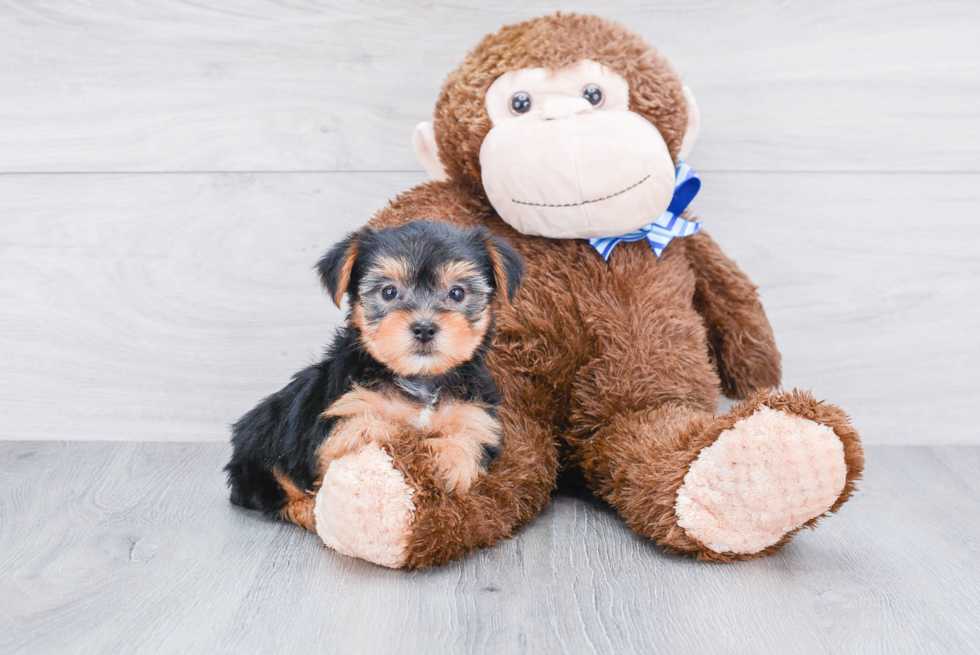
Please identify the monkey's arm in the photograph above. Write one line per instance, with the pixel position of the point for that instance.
(739, 335)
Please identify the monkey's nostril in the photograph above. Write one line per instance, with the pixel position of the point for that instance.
(424, 331)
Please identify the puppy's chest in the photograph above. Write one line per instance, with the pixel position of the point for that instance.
(424, 396)
(459, 437)
(419, 406)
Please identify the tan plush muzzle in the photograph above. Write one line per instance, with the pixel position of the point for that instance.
(595, 173)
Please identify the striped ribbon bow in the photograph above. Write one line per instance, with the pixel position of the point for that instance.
(669, 225)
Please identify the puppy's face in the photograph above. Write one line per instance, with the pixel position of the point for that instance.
(420, 293)
(422, 317)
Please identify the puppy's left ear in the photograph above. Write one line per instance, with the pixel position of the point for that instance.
(508, 266)
(335, 267)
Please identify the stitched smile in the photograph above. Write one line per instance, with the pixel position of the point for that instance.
(584, 202)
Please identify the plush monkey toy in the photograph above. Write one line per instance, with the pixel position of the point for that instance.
(563, 134)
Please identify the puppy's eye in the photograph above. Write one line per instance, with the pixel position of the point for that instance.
(389, 293)
(456, 294)
(520, 103)
(593, 94)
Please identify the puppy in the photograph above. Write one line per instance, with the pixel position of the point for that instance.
(409, 363)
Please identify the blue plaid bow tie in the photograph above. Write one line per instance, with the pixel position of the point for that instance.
(669, 225)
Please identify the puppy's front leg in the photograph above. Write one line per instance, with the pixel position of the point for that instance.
(462, 438)
(366, 417)
(351, 435)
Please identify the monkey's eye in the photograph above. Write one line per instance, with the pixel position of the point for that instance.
(389, 293)
(593, 94)
(456, 294)
(520, 103)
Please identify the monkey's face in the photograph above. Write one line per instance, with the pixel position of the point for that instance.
(566, 158)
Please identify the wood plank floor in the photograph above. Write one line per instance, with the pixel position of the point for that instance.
(132, 547)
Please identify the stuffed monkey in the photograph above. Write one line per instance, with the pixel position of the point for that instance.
(565, 135)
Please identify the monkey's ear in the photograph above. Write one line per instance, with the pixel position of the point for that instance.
(508, 267)
(427, 151)
(336, 265)
(693, 125)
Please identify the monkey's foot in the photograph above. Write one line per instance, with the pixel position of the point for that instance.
(768, 475)
(365, 508)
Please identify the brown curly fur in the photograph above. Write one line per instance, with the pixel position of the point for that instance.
(638, 462)
(552, 42)
(619, 364)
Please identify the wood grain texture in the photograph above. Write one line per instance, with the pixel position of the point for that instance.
(125, 548)
(138, 306)
(873, 85)
(162, 306)
(165, 306)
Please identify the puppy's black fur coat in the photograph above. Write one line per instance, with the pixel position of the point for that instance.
(283, 433)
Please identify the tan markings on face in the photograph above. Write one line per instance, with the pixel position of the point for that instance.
(392, 268)
(299, 504)
(451, 273)
(456, 341)
(390, 342)
(344, 279)
(456, 435)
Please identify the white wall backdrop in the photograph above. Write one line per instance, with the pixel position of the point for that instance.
(170, 171)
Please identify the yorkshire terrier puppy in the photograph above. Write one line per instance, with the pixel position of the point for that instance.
(409, 363)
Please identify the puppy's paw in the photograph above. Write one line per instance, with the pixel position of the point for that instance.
(353, 434)
(453, 462)
(462, 440)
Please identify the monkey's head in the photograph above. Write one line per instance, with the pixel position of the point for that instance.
(569, 124)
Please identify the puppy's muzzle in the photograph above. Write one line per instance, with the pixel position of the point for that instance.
(424, 331)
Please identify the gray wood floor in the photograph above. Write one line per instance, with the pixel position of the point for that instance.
(131, 547)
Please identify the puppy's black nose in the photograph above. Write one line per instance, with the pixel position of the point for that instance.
(424, 331)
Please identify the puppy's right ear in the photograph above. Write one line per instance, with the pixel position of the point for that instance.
(335, 267)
